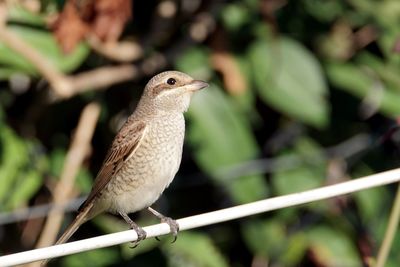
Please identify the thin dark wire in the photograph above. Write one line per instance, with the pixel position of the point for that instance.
(39, 211)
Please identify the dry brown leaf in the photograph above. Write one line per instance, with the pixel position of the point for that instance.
(224, 62)
(232, 77)
(103, 18)
(69, 28)
(110, 18)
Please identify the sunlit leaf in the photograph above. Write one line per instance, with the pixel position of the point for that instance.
(332, 247)
(19, 14)
(13, 157)
(45, 44)
(289, 78)
(295, 250)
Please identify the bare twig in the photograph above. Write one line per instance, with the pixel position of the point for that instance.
(77, 152)
(123, 51)
(390, 231)
(102, 77)
(58, 80)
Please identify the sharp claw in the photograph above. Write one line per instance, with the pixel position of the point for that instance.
(173, 225)
(175, 238)
(141, 235)
(157, 238)
(134, 245)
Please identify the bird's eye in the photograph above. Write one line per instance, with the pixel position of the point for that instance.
(171, 81)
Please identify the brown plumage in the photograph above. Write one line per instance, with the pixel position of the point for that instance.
(145, 154)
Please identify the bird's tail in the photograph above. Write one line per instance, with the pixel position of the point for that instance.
(79, 220)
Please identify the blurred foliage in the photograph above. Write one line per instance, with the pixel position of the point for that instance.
(316, 73)
(45, 43)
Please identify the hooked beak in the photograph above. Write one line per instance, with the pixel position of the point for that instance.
(196, 85)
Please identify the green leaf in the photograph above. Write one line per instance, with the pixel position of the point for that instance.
(289, 78)
(332, 247)
(266, 238)
(13, 158)
(271, 240)
(326, 11)
(370, 203)
(354, 80)
(27, 185)
(307, 176)
(296, 180)
(19, 179)
(57, 157)
(45, 44)
(194, 249)
(296, 248)
(221, 137)
(20, 15)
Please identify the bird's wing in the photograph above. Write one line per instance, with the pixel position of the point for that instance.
(124, 146)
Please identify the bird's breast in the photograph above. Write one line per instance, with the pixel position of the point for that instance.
(151, 168)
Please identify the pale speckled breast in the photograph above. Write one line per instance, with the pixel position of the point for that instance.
(150, 170)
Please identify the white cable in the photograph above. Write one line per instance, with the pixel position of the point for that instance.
(206, 218)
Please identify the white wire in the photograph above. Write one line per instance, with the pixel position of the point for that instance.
(206, 218)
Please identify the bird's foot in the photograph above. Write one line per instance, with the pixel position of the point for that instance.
(141, 235)
(173, 224)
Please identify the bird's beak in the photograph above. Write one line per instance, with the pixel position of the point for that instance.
(196, 85)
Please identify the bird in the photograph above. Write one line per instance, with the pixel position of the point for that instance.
(144, 156)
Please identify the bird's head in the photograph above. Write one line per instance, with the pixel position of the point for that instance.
(171, 91)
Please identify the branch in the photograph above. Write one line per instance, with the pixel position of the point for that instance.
(79, 149)
(206, 218)
(67, 86)
(390, 231)
(57, 79)
(102, 77)
(122, 51)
